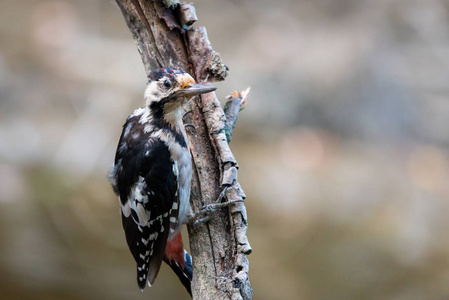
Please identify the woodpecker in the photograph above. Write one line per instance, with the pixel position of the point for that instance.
(152, 174)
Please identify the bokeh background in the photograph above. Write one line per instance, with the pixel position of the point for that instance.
(343, 148)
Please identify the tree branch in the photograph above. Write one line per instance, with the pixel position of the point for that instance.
(165, 37)
(234, 104)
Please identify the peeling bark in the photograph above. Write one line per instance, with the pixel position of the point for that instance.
(165, 37)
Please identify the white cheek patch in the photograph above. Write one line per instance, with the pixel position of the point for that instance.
(149, 91)
(154, 92)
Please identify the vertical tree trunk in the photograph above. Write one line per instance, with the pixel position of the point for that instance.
(165, 38)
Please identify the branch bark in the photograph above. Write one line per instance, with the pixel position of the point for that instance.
(165, 37)
(234, 104)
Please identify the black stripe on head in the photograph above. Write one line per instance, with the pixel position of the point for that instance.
(164, 72)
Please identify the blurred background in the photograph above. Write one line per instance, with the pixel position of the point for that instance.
(343, 148)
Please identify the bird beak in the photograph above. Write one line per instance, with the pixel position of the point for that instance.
(194, 89)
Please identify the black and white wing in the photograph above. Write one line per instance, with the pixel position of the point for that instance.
(144, 180)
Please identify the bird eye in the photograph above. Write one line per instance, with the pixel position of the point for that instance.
(167, 83)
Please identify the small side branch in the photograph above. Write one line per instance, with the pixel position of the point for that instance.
(234, 104)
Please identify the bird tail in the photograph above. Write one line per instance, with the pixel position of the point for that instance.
(180, 261)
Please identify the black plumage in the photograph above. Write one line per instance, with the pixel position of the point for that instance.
(141, 157)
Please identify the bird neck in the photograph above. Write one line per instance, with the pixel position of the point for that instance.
(173, 116)
(167, 114)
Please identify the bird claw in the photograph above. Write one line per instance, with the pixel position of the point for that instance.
(189, 125)
(206, 213)
(187, 112)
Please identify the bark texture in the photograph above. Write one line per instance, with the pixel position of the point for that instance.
(165, 37)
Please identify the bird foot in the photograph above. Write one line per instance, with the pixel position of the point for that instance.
(206, 213)
(190, 111)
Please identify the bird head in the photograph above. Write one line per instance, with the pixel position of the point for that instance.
(172, 87)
